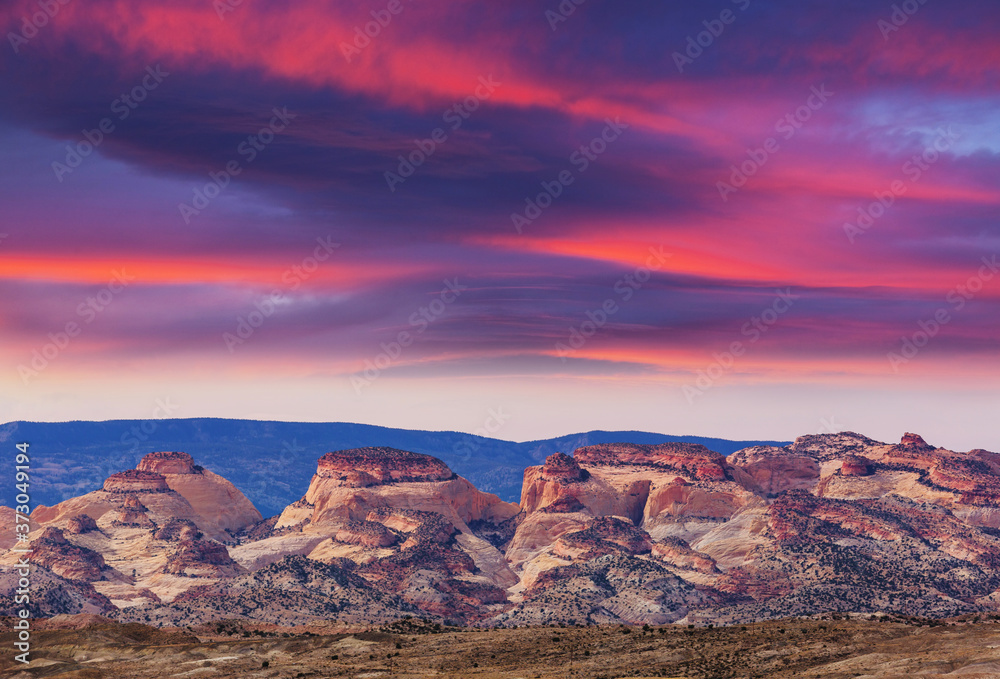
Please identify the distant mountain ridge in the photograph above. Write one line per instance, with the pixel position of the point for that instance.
(272, 462)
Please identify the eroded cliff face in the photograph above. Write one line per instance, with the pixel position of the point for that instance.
(851, 466)
(672, 490)
(737, 525)
(392, 479)
(413, 527)
(167, 462)
(121, 544)
(209, 494)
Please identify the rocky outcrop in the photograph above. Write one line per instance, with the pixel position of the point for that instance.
(178, 529)
(197, 557)
(292, 591)
(136, 481)
(133, 514)
(8, 538)
(562, 468)
(171, 486)
(407, 522)
(435, 578)
(776, 470)
(914, 441)
(366, 533)
(52, 594)
(80, 524)
(418, 527)
(53, 551)
(678, 553)
(658, 488)
(796, 517)
(548, 491)
(164, 519)
(614, 588)
(168, 463)
(604, 535)
(696, 459)
(827, 447)
(359, 479)
(854, 465)
(403, 480)
(381, 465)
(221, 507)
(566, 504)
(677, 501)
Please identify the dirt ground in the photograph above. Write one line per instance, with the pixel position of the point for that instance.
(790, 648)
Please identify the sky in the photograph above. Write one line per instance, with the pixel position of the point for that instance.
(738, 218)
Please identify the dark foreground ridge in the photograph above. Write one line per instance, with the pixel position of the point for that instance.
(415, 648)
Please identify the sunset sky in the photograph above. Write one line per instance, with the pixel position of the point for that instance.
(736, 218)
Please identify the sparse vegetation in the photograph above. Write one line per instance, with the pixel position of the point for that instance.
(586, 652)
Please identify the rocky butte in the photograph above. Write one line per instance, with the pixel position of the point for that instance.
(617, 533)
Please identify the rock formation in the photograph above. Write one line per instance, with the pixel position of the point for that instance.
(136, 481)
(209, 494)
(611, 533)
(391, 511)
(167, 463)
(154, 528)
(197, 557)
(170, 486)
(853, 465)
(382, 465)
(80, 524)
(402, 480)
(563, 469)
(133, 513)
(53, 551)
(366, 533)
(672, 490)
